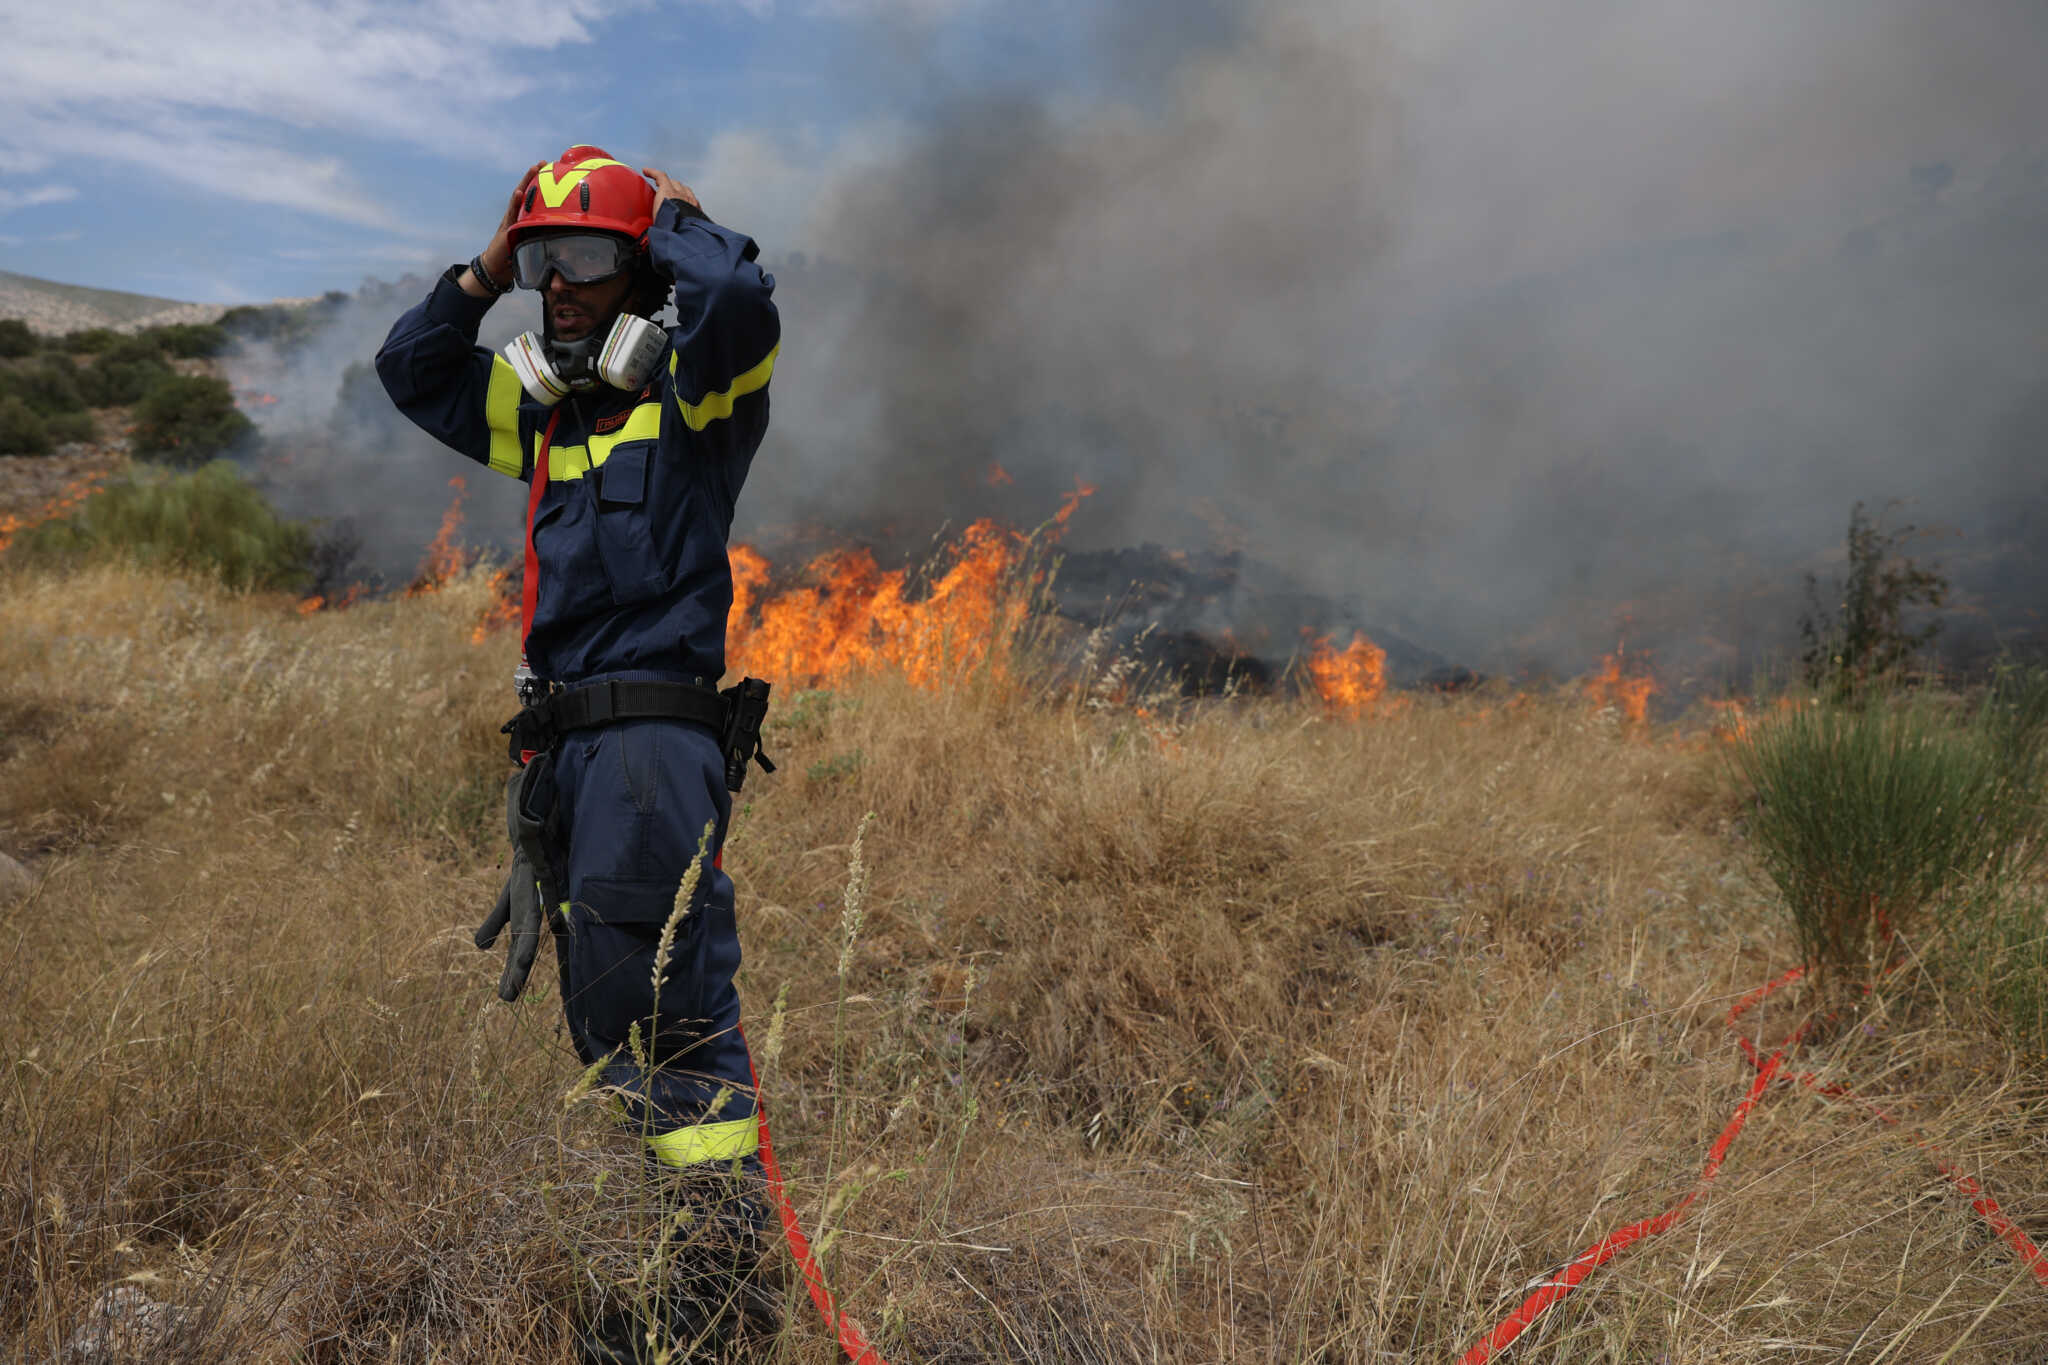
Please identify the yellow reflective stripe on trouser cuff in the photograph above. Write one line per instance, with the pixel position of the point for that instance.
(707, 1142)
(697, 416)
(501, 415)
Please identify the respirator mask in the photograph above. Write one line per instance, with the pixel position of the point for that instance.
(624, 357)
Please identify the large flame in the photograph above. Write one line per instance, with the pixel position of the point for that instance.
(851, 617)
(1352, 681)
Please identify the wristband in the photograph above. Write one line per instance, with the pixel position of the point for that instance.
(483, 277)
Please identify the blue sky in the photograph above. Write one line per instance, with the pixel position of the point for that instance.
(252, 150)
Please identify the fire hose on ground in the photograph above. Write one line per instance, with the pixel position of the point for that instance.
(1768, 1070)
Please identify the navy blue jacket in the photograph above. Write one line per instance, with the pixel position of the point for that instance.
(631, 530)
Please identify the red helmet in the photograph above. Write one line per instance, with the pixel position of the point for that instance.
(585, 188)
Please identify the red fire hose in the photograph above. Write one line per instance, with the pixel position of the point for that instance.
(1768, 1070)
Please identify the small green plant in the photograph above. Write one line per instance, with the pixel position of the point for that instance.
(1869, 818)
(1866, 640)
(16, 340)
(186, 420)
(209, 521)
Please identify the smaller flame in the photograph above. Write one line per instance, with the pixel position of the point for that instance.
(504, 609)
(1350, 682)
(75, 492)
(1071, 501)
(997, 476)
(1630, 694)
(444, 558)
(252, 398)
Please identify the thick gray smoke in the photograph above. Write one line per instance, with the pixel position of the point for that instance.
(1509, 328)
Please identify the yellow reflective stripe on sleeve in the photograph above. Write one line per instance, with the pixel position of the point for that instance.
(707, 1142)
(569, 463)
(501, 415)
(697, 416)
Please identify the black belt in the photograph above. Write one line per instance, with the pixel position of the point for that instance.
(602, 703)
(734, 716)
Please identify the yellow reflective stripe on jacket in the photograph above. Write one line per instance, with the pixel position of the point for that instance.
(566, 463)
(707, 1142)
(697, 416)
(501, 415)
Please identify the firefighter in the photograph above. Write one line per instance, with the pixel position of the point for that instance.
(634, 439)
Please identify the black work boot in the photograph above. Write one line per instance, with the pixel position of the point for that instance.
(710, 1287)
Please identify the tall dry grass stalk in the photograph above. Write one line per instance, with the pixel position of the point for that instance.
(1240, 1034)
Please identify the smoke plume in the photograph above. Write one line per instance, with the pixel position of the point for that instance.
(1507, 328)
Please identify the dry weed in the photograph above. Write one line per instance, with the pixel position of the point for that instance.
(1231, 1034)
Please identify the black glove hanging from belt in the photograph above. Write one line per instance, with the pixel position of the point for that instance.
(532, 891)
(735, 714)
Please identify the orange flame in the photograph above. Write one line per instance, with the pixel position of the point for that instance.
(444, 558)
(1630, 694)
(1070, 502)
(997, 476)
(852, 617)
(75, 492)
(251, 398)
(1352, 682)
(504, 609)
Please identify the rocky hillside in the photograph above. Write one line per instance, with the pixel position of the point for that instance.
(52, 308)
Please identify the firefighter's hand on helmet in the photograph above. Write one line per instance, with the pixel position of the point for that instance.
(498, 255)
(668, 187)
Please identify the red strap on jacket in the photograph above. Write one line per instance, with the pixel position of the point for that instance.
(529, 592)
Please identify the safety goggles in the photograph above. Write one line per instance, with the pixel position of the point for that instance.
(578, 257)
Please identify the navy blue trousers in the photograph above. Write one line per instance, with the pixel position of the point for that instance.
(634, 801)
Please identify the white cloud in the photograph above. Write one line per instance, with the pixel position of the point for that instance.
(221, 97)
(11, 200)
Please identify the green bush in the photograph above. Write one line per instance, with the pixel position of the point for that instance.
(2003, 961)
(1870, 818)
(65, 427)
(187, 340)
(90, 341)
(22, 432)
(186, 420)
(16, 340)
(49, 385)
(1866, 642)
(123, 373)
(207, 521)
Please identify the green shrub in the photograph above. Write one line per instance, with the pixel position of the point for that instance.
(49, 385)
(1870, 818)
(186, 420)
(123, 373)
(2003, 961)
(187, 340)
(22, 432)
(90, 341)
(208, 521)
(65, 427)
(1866, 641)
(16, 340)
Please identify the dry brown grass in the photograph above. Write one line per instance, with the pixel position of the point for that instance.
(1243, 1036)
